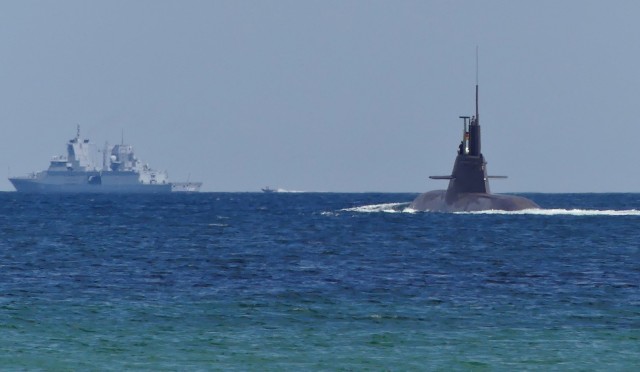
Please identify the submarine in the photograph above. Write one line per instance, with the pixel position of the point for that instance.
(468, 189)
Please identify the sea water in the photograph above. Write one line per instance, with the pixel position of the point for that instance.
(316, 281)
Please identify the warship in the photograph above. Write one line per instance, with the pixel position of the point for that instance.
(468, 188)
(79, 172)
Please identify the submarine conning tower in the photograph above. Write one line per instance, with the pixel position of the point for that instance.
(469, 173)
(468, 189)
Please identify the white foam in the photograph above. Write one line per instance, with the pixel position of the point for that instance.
(563, 212)
(404, 208)
(290, 191)
(386, 207)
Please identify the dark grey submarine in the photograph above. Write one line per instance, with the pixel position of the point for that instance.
(468, 189)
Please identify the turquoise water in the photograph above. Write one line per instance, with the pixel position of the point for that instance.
(317, 281)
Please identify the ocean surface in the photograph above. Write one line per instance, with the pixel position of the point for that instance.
(317, 281)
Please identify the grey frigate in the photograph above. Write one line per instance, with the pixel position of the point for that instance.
(468, 183)
(80, 171)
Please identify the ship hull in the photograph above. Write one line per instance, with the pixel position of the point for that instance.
(33, 185)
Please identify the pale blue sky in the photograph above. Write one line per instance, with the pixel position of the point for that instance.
(328, 95)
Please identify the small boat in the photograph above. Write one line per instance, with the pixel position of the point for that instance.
(185, 186)
(267, 189)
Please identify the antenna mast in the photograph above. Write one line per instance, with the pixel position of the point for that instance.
(477, 113)
(474, 124)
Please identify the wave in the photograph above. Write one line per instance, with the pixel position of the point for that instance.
(404, 208)
(386, 207)
(563, 212)
(289, 191)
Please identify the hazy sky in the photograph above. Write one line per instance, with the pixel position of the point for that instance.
(328, 95)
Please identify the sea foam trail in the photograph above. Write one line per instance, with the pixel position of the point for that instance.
(564, 212)
(290, 191)
(385, 207)
(404, 208)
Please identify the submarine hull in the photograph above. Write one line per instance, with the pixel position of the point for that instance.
(436, 201)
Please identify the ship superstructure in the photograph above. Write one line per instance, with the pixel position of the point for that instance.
(79, 171)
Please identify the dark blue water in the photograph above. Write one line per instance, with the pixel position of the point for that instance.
(316, 281)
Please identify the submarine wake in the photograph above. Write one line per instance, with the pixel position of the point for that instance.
(562, 212)
(384, 207)
(404, 208)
